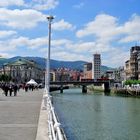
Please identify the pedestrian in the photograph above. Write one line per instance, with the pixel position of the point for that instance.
(26, 88)
(10, 90)
(15, 89)
(6, 88)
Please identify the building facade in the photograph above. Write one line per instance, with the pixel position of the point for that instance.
(131, 65)
(127, 70)
(96, 67)
(65, 74)
(87, 71)
(138, 66)
(23, 70)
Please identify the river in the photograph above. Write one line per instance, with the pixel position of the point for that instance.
(97, 116)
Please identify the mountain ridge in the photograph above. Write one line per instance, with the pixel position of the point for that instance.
(54, 64)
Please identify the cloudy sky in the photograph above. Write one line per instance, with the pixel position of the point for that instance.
(80, 29)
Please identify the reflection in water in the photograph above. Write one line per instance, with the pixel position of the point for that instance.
(98, 117)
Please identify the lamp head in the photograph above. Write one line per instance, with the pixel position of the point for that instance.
(50, 18)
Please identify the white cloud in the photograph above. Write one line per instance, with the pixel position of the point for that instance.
(5, 47)
(34, 4)
(88, 47)
(131, 29)
(38, 42)
(63, 49)
(113, 54)
(4, 3)
(130, 38)
(115, 57)
(44, 4)
(20, 41)
(132, 25)
(6, 55)
(21, 18)
(78, 6)
(67, 56)
(11, 45)
(81, 47)
(62, 25)
(102, 26)
(108, 36)
(106, 29)
(5, 33)
(60, 42)
(14, 43)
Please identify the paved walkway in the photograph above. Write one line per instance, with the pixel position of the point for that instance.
(19, 115)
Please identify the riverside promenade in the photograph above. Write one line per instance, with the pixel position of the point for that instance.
(21, 116)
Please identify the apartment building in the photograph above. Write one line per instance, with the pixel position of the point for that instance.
(132, 66)
(96, 67)
(87, 71)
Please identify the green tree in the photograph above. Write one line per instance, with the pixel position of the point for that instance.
(5, 78)
(130, 82)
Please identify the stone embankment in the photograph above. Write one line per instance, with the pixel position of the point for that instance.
(120, 91)
(125, 91)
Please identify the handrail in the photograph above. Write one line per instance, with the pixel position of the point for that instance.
(54, 129)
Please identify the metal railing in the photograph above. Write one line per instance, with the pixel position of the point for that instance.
(54, 130)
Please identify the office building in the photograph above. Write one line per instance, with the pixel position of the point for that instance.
(96, 66)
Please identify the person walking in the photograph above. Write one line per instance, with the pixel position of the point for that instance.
(26, 88)
(15, 89)
(6, 88)
(10, 90)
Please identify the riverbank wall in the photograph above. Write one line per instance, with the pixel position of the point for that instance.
(119, 91)
(124, 91)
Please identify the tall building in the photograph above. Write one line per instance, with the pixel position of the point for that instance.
(131, 66)
(96, 68)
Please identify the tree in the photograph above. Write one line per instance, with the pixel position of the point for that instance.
(5, 78)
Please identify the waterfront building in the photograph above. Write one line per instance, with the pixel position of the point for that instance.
(62, 74)
(75, 75)
(87, 71)
(96, 66)
(52, 76)
(131, 65)
(117, 75)
(65, 74)
(127, 70)
(22, 70)
(109, 74)
(138, 66)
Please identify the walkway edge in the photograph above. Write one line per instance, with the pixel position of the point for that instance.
(42, 130)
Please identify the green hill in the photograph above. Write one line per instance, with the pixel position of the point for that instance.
(78, 65)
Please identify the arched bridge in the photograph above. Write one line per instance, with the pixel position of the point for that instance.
(83, 83)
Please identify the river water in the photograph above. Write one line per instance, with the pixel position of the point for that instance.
(97, 116)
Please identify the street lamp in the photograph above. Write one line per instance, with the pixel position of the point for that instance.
(47, 74)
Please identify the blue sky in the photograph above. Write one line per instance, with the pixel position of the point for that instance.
(80, 29)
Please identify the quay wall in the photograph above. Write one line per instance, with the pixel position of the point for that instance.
(119, 91)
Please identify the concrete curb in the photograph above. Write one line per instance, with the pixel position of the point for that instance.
(42, 131)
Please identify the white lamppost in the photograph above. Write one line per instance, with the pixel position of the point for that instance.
(47, 101)
(47, 74)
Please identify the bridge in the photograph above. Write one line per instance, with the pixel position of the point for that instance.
(83, 83)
